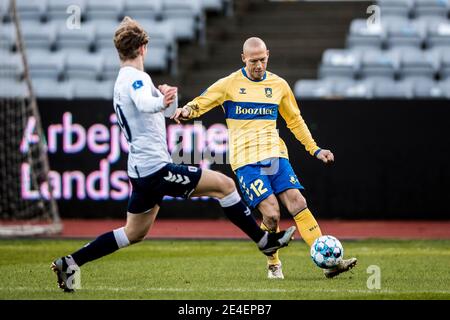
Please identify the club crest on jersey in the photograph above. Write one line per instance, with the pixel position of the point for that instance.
(138, 84)
(242, 91)
(293, 180)
(268, 92)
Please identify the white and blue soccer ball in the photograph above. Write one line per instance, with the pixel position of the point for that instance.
(327, 252)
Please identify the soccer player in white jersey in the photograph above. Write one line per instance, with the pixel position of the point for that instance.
(141, 108)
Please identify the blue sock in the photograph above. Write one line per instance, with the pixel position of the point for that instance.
(102, 246)
(242, 217)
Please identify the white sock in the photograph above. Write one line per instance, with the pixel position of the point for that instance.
(121, 237)
(230, 199)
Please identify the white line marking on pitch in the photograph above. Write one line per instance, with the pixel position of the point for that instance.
(160, 289)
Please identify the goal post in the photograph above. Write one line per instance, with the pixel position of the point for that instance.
(22, 213)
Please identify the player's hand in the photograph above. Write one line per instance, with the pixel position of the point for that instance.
(170, 95)
(181, 114)
(326, 156)
(164, 87)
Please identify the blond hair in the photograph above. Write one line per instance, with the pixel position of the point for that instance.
(128, 38)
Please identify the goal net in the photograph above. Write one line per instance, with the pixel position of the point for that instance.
(27, 206)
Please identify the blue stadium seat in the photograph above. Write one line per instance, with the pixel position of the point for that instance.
(104, 10)
(143, 10)
(212, 5)
(52, 89)
(352, 89)
(340, 63)
(4, 10)
(81, 39)
(185, 16)
(392, 89)
(46, 65)
(162, 49)
(436, 8)
(12, 89)
(83, 66)
(7, 36)
(93, 89)
(404, 34)
(104, 34)
(57, 9)
(445, 87)
(11, 66)
(444, 55)
(362, 35)
(312, 89)
(39, 36)
(397, 8)
(379, 64)
(32, 10)
(417, 64)
(438, 34)
(425, 88)
(111, 64)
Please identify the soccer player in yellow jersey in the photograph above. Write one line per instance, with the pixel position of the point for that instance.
(251, 99)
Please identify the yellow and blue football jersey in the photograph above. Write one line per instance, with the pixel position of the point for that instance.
(251, 110)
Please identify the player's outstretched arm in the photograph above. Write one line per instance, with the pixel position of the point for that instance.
(325, 155)
(181, 114)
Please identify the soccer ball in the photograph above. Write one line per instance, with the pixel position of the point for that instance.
(327, 252)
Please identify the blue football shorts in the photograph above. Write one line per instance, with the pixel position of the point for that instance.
(259, 180)
(172, 180)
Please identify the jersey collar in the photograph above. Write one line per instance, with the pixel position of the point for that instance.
(245, 75)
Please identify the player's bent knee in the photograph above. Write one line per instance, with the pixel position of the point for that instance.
(227, 185)
(298, 204)
(136, 234)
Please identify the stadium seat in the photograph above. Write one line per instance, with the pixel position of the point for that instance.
(436, 8)
(339, 63)
(379, 64)
(104, 34)
(352, 89)
(418, 64)
(312, 89)
(444, 55)
(11, 66)
(75, 39)
(438, 34)
(404, 34)
(143, 10)
(4, 10)
(392, 89)
(185, 17)
(39, 36)
(83, 66)
(46, 65)
(104, 10)
(48, 88)
(60, 9)
(362, 35)
(93, 89)
(212, 5)
(7, 36)
(445, 88)
(162, 49)
(32, 10)
(397, 8)
(12, 89)
(425, 88)
(111, 64)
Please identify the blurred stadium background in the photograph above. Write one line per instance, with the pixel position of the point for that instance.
(372, 79)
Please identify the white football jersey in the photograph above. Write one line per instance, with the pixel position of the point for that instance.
(140, 112)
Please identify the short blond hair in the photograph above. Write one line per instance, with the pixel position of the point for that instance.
(128, 38)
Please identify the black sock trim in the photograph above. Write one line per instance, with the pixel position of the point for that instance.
(300, 212)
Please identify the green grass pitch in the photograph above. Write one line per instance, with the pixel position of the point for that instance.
(209, 270)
